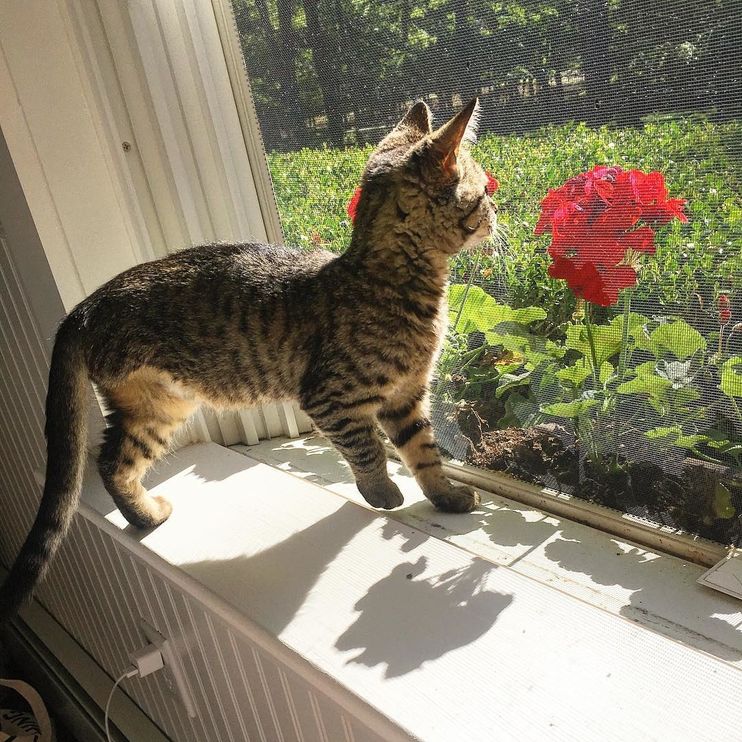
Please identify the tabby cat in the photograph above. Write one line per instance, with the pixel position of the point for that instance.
(353, 338)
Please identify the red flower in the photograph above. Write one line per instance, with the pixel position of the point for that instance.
(598, 285)
(492, 183)
(352, 207)
(597, 220)
(640, 240)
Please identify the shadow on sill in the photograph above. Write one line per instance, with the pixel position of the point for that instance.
(652, 602)
(659, 598)
(457, 606)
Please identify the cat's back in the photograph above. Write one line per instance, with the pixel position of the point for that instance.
(249, 263)
(196, 273)
(190, 295)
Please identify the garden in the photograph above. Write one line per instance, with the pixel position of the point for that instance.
(622, 385)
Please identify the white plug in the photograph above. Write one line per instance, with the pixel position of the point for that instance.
(144, 662)
(147, 660)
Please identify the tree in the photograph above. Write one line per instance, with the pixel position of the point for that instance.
(343, 70)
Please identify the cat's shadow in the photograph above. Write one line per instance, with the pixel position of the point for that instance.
(648, 588)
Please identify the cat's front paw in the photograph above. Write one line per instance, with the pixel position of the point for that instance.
(381, 493)
(453, 498)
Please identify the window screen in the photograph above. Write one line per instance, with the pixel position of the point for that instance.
(631, 396)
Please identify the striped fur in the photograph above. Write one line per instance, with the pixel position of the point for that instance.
(353, 338)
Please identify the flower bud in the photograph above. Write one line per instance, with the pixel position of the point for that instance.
(725, 312)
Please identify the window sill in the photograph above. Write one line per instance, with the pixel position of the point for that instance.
(450, 626)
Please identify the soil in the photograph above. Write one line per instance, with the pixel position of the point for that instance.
(547, 456)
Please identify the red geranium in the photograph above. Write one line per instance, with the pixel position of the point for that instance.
(352, 207)
(598, 220)
(492, 183)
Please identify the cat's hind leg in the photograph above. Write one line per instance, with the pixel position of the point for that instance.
(145, 414)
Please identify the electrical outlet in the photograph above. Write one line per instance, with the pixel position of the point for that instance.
(172, 673)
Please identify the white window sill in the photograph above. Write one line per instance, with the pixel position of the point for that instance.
(504, 622)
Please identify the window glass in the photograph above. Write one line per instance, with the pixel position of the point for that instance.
(597, 354)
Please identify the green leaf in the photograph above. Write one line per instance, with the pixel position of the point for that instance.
(481, 312)
(607, 337)
(526, 315)
(575, 374)
(673, 435)
(520, 412)
(681, 398)
(731, 377)
(646, 381)
(637, 323)
(517, 339)
(510, 381)
(723, 445)
(723, 507)
(678, 338)
(478, 312)
(607, 341)
(569, 409)
(606, 372)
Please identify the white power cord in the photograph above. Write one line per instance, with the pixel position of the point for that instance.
(143, 662)
(128, 674)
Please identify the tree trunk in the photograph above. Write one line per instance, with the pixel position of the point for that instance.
(595, 38)
(404, 21)
(326, 71)
(465, 43)
(286, 50)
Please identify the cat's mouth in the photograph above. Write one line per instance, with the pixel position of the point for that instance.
(482, 225)
(480, 219)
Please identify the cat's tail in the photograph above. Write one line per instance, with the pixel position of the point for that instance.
(66, 435)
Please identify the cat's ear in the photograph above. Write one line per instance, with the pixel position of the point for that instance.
(446, 141)
(417, 118)
(415, 124)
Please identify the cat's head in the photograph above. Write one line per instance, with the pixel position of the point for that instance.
(424, 185)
